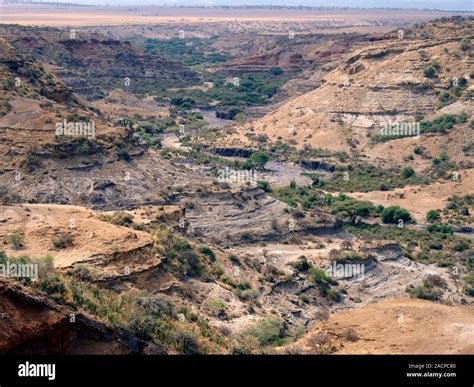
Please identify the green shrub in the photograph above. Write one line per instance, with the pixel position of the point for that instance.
(264, 185)
(469, 279)
(259, 158)
(301, 264)
(62, 240)
(433, 216)
(215, 305)
(51, 284)
(234, 259)
(441, 124)
(268, 331)
(394, 214)
(429, 72)
(424, 293)
(208, 251)
(407, 172)
(119, 218)
(3, 258)
(418, 150)
(16, 240)
(435, 64)
(461, 245)
(441, 228)
(324, 283)
(465, 44)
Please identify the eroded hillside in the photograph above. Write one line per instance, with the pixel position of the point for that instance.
(180, 225)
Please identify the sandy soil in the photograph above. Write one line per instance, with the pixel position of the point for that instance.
(38, 223)
(60, 15)
(400, 326)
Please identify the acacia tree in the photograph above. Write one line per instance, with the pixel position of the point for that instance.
(353, 209)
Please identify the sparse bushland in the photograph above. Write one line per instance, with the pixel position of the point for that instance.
(428, 247)
(459, 210)
(182, 260)
(66, 146)
(469, 280)
(343, 205)
(362, 177)
(192, 51)
(431, 290)
(146, 315)
(441, 165)
(443, 123)
(251, 88)
(326, 285)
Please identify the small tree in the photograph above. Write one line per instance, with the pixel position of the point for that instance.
(353, 209)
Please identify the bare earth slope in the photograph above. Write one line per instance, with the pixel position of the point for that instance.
(376, 83)
(399, 326)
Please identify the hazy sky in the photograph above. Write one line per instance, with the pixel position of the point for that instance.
(467, 5)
